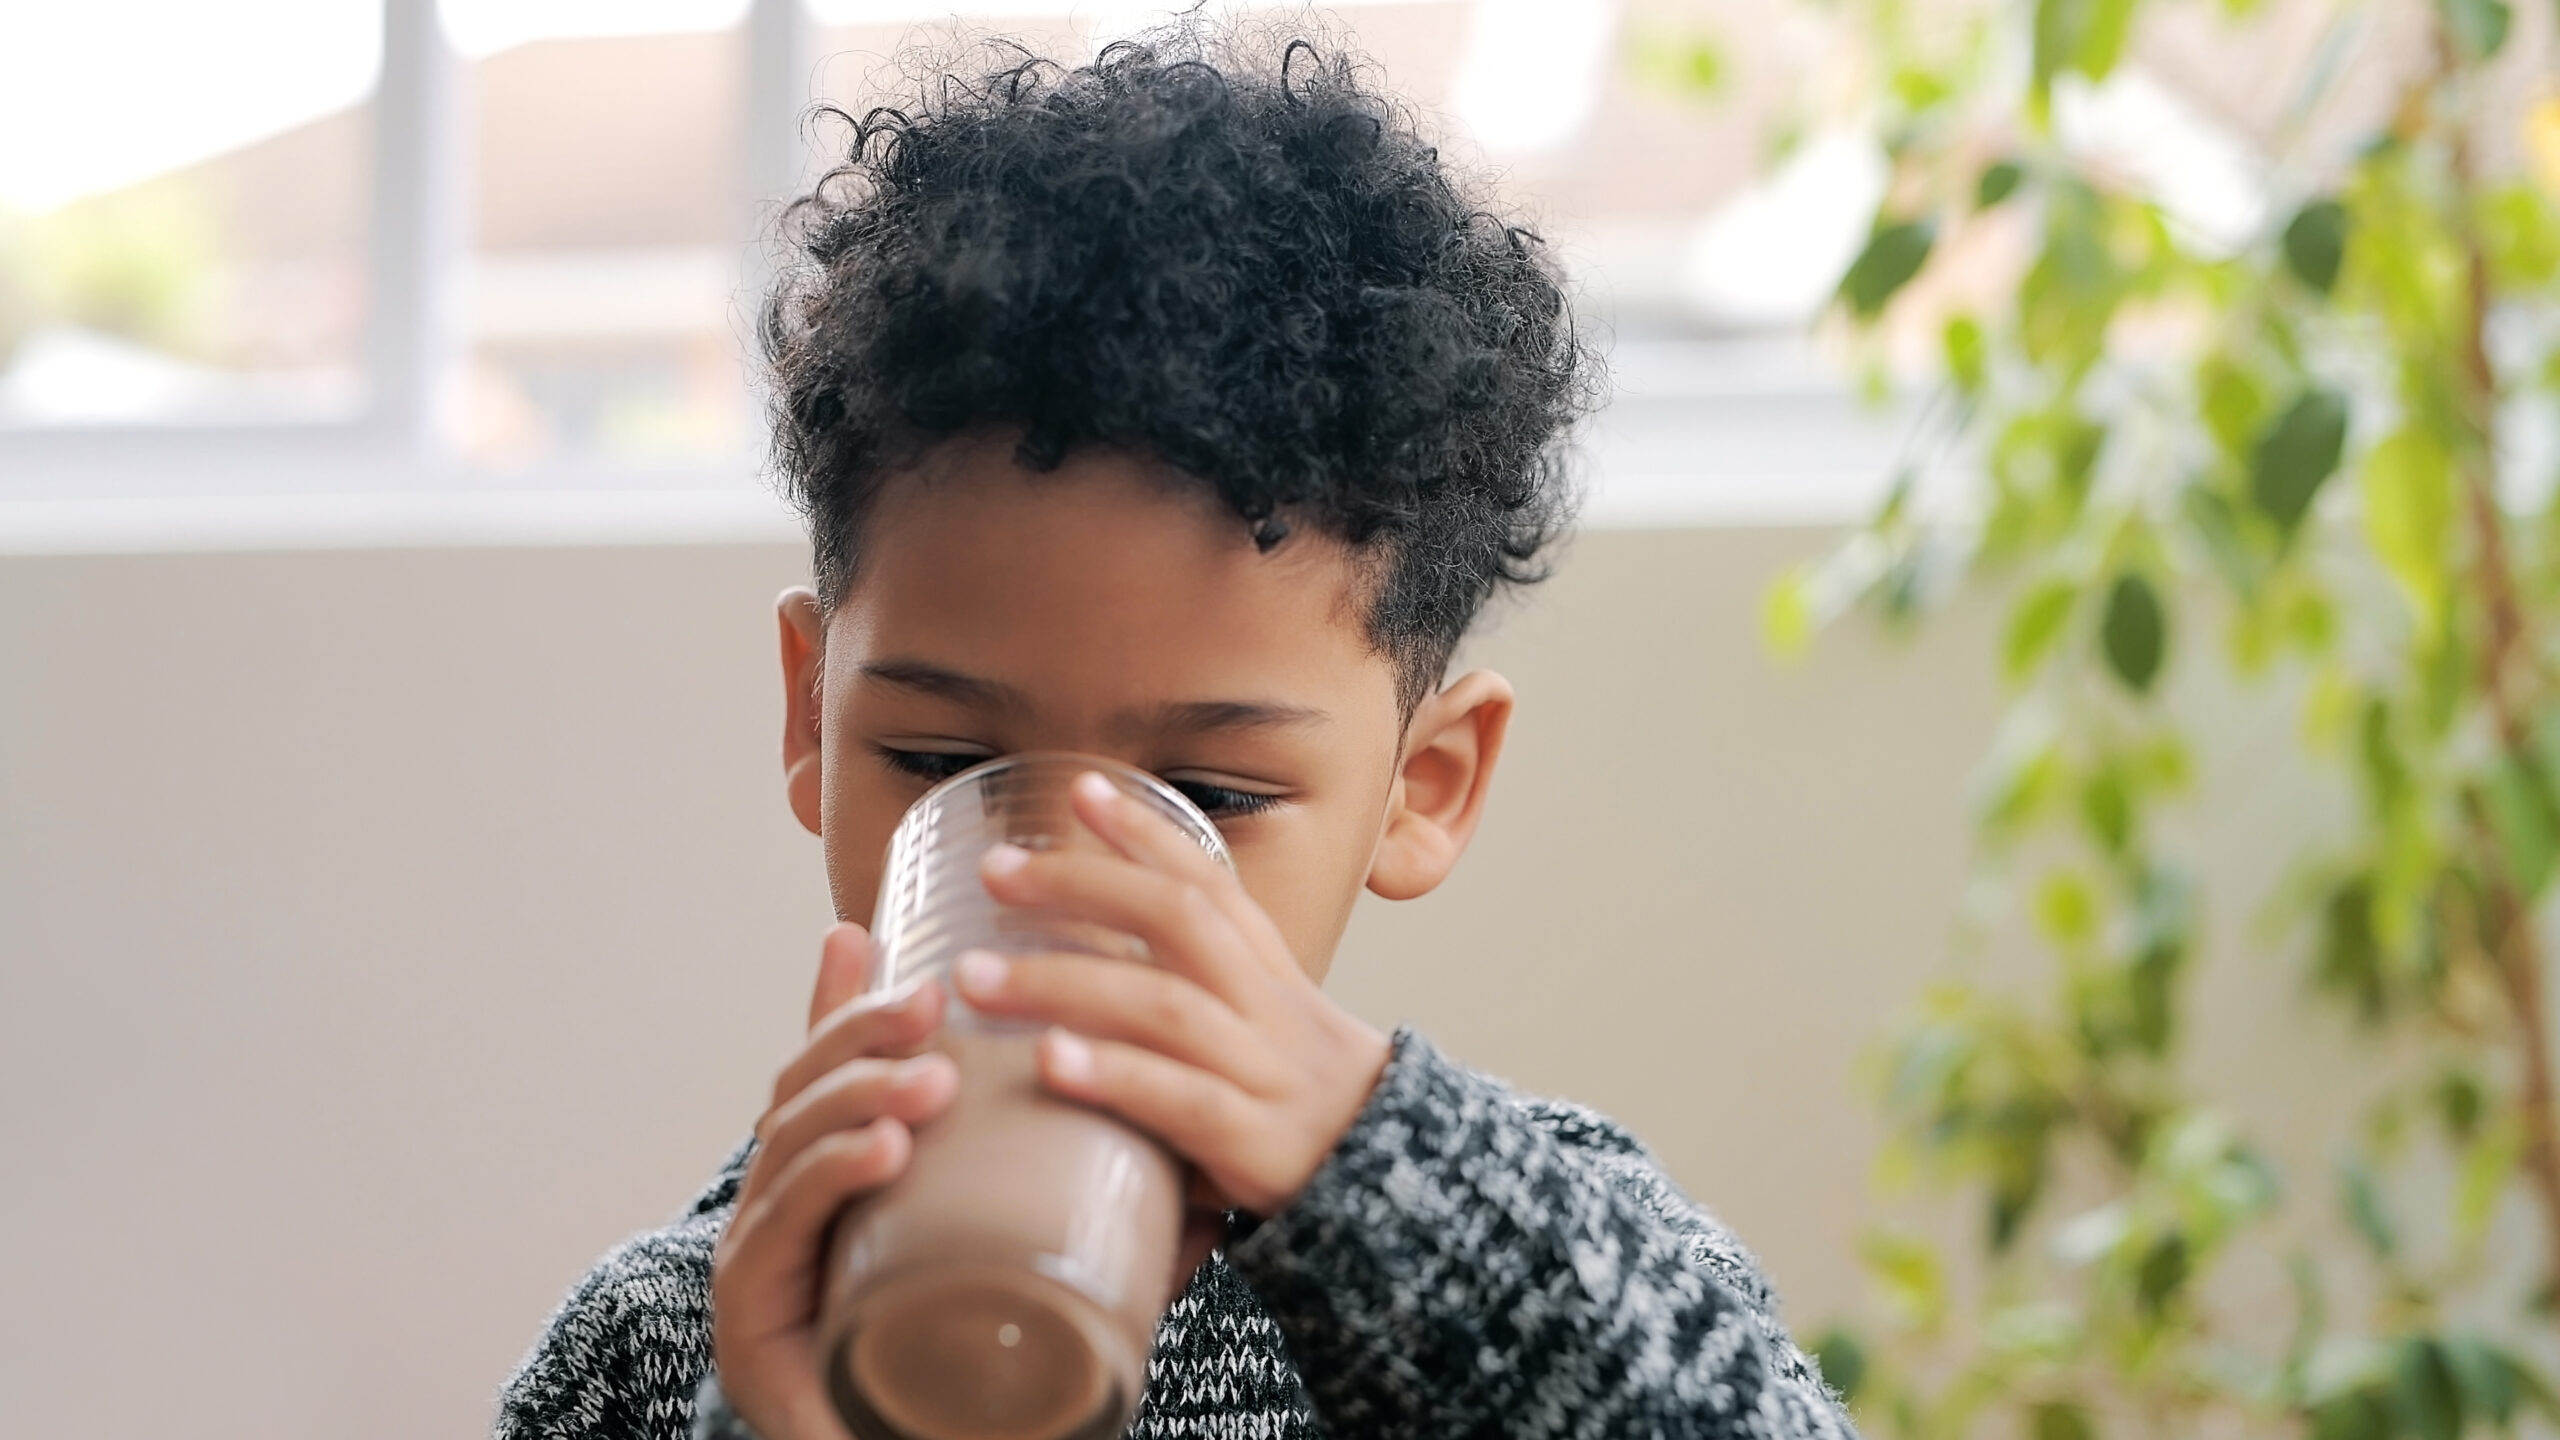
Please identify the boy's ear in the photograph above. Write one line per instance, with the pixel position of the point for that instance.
(804, 649)
(1450, 747)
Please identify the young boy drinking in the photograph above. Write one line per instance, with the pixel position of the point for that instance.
(1183, 408)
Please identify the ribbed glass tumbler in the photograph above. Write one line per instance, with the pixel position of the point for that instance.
(1008, 1284)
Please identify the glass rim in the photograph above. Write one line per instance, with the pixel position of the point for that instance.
(1203, 830)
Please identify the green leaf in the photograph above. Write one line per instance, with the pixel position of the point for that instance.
(1999, 181)
(2516, 228)
(1920, 88)
(2062, 1420)
(2147, 992)
(2425, 1391)
(2365, 1209)
(2162, 1273)
(1684, 62)
(2033, 626)
(2066, 911)
(2546, 744)
(2017, 1182)
(2534, 1391)
(2135, 632)
(2408, 516)
(2080, 36)
(2022, 773)
(1907, 1270)
(2520, 814)
(2355, 1415)
(2308, 622)
(1843, 1361)
(2315, 242)
(2460, 1101)
(2106, 808)
(2488, 1164)
(2297, 455)
(1967, 357)
(2478, 28)
(2077, 442)
(2217, 522)
(2486, 1379)
(1702, 66)
(2349, 951)
(2379, 761)
(2164, 919)
(1893, 255)
(1786, 613)
(2531, 1388)
(2233, 402)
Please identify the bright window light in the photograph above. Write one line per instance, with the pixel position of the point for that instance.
(1532, 71)
(1771, 255)
(94, 97)
(484, 27)
(1103, 16)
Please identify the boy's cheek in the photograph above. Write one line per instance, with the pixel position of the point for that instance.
(855, 829)
(1307, 884)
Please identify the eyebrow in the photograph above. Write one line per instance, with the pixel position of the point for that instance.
(926, 678)
(923, 677)
(1197, 716)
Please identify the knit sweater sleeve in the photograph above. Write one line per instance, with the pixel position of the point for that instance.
(1470, 1263)
(622, 1357)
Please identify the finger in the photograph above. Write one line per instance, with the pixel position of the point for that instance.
(1133, 828)
(771, 1248)
(1115, 1000)
(844, 967)
(1137, 831)
(1184, 927)
(896, 1023)
(849, 1097)
(1200, 1115)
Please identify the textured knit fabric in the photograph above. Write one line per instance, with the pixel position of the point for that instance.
(1466, 1263)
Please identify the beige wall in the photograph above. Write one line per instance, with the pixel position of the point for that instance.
(383, 934)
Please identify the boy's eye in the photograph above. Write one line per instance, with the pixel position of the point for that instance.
(931, 766)
(1220, 803)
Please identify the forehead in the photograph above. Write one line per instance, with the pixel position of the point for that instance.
(1105, 580)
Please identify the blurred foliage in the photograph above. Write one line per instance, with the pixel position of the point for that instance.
(2294, 455)
(137, 264)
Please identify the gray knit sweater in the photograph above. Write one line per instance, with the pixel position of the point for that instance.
(1468, 1262)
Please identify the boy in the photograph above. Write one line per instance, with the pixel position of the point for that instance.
(1183, 408)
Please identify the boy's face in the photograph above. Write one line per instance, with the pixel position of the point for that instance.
(1099, 608)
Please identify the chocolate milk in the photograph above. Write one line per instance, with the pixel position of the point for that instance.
(1007, 1287)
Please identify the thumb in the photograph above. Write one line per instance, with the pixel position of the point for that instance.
(844, 967)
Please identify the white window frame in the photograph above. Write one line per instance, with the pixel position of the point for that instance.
(92, 485)
(1782, 443)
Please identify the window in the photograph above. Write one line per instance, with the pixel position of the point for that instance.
(183, 226)
(438, 261)
(603, 313)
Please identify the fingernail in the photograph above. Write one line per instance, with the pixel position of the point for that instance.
(1097, 786)
(915, 1070)
(1006, 859)
(981, 972)
(1070, 1057)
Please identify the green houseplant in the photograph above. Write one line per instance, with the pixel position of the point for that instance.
(2296, 451)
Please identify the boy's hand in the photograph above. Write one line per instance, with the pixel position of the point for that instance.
(837, 1130)
(1223, 1048)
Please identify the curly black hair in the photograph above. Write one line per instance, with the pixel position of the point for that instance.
(1226, 251)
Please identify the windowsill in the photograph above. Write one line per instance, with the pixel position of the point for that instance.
(1699, 433)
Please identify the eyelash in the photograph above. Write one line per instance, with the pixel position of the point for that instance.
(1215, 801)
